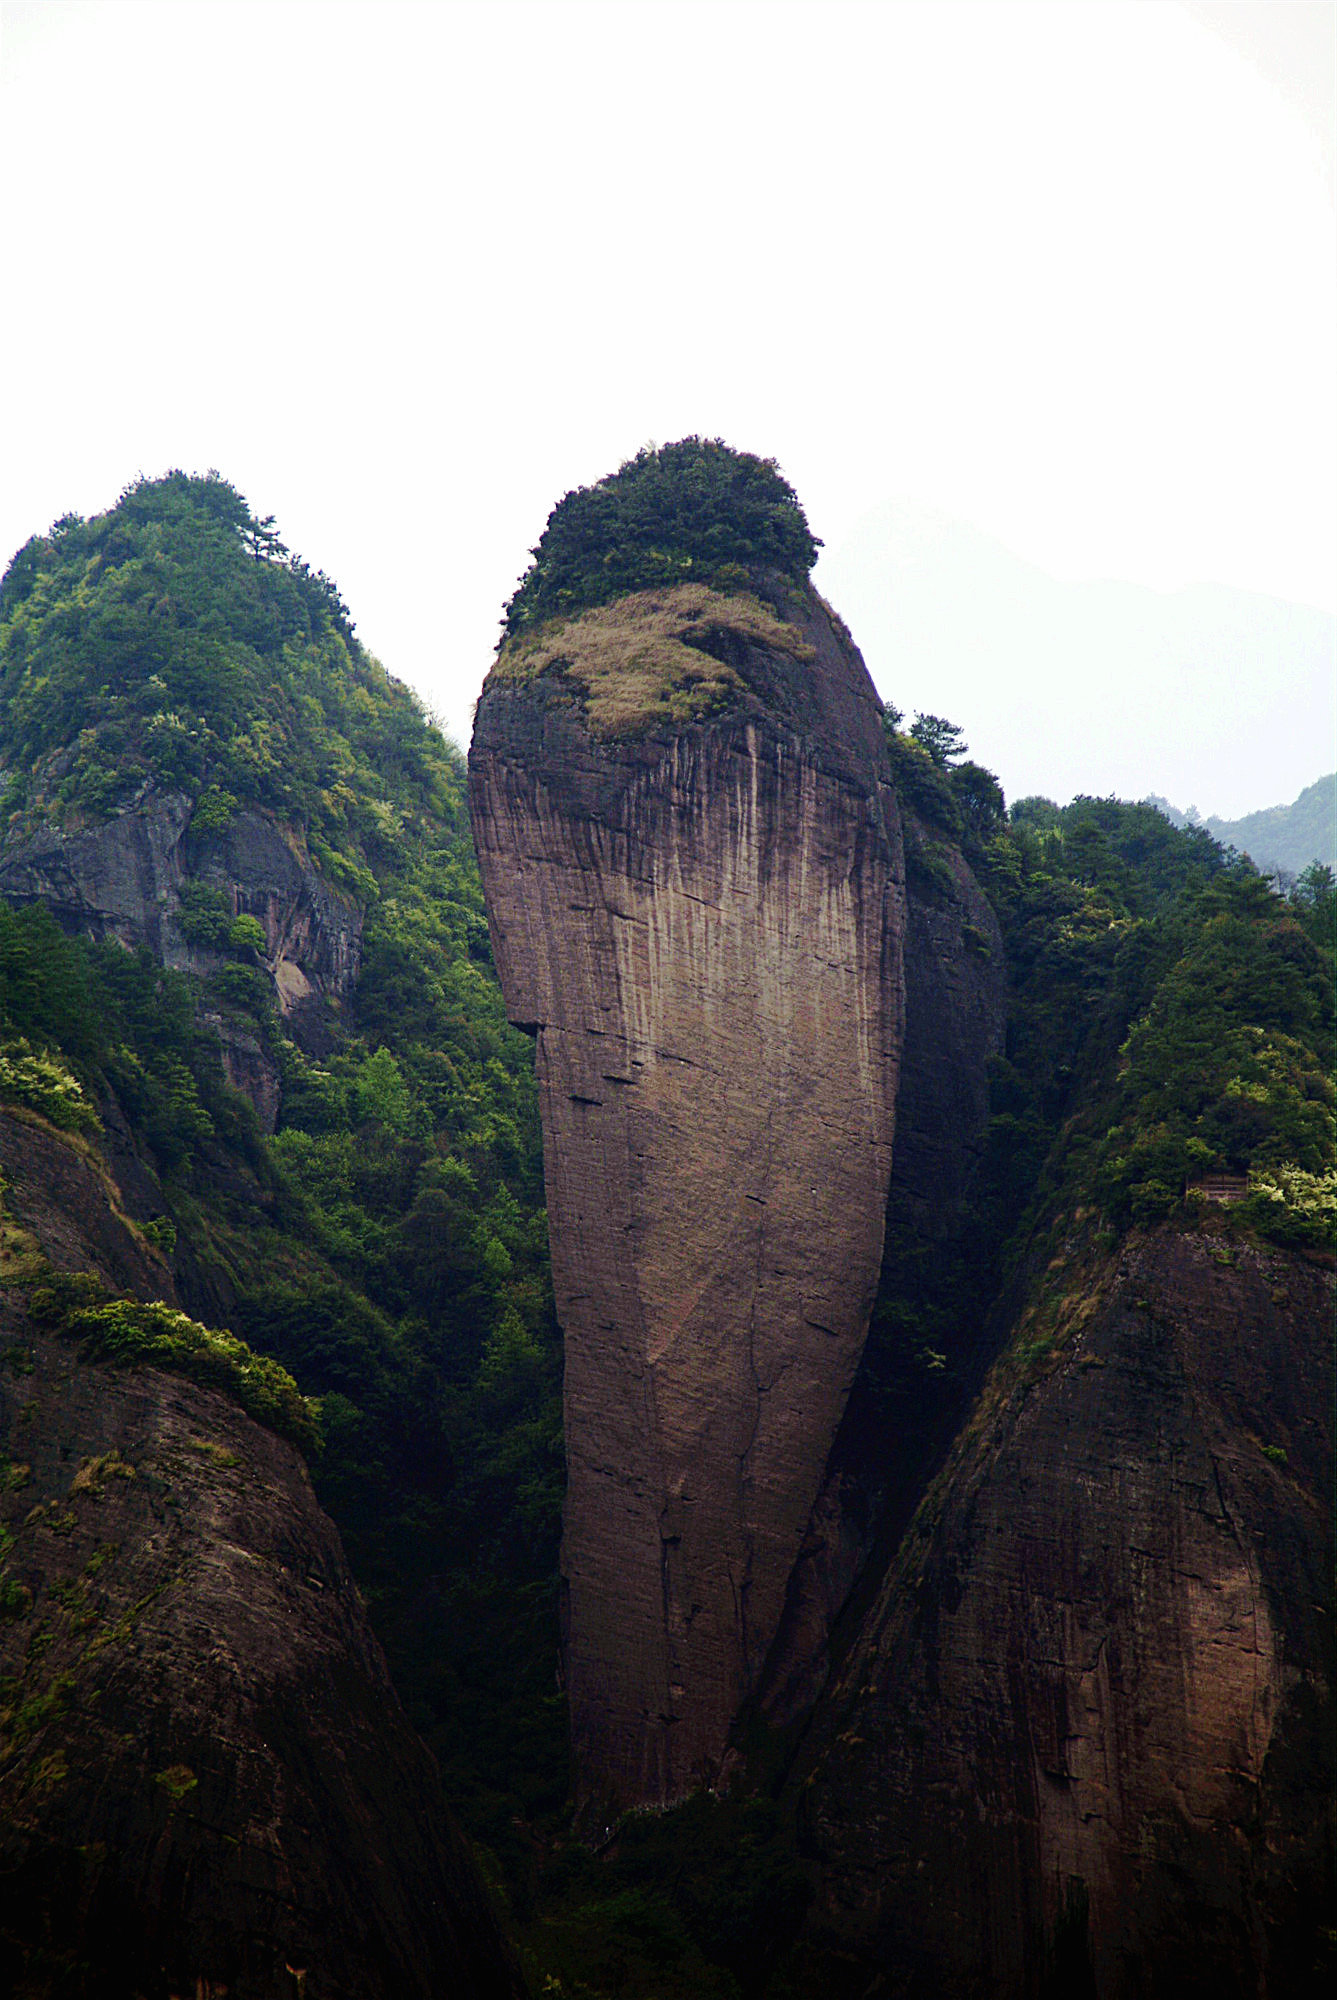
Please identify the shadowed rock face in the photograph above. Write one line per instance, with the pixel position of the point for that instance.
(1082, 1746)
(207, 1783)
(122, 877)
(703, 927)
(955, 1009)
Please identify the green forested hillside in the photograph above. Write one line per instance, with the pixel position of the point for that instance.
(1288, 837)
(387, 1245)
(1182, 1011)
(1170, 1017)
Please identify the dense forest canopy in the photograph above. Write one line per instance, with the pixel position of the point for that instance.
(692, 512)
(1171, 1014)
(176, 638)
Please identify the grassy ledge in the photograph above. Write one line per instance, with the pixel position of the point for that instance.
(651, 658)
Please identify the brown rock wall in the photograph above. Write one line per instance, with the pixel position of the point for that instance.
(1081, 1746)
(704, 930)
(955, 1012)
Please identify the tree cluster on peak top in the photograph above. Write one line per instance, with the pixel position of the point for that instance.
(175, 638)
(692, 512)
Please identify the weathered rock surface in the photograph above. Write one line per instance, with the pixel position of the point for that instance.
(955, 1017)
(207, 1784)
(1082, 1746)
(703, 926)
(122, 877)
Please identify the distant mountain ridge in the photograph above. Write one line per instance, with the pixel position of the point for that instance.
(1288, 837)
(1104, 687)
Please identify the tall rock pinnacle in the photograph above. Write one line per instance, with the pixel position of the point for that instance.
(693, 872)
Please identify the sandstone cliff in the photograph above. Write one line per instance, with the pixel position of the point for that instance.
(1081, 1744)
(955, 1011)
(207, 1784)
(124, 877)
(693, 871)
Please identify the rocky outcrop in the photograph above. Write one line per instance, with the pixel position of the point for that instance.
(955, 1016)
(702, 924)
(119, 877)
(1081, 1747)
(123, 877)
(313, 934)
(207, 1784)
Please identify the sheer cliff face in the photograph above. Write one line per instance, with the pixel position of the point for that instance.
(703, 927)
(1081, 1746)
(955, 1009)
(207, 1783)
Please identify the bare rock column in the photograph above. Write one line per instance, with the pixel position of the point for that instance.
(702, 924)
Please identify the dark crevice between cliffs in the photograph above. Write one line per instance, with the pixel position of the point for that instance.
(937, 1324)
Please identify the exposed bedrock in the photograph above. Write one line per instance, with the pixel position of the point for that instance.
(207, 1782)
(123, 877)
(955, 1015)
(703, 926)
(1082, 1746)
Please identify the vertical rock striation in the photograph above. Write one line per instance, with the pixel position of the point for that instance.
(955, 1010)
(702, 923)
(1082, 1745)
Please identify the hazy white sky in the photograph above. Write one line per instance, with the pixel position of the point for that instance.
(405, 273)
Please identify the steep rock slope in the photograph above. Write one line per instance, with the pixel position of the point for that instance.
(693, 872)
(955, 1008)
(126, 877)
(206, 1780)
(1080, 1746)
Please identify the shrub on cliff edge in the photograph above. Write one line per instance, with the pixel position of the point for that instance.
(153, 1335)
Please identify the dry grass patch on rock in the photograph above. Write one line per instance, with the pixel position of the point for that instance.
(652, 657)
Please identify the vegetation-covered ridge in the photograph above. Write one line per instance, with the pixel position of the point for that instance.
(651, 658)
(1171, 1013)
(387, 1246)
(175, 639)
(692, 512)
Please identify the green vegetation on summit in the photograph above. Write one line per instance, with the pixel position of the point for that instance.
(692, 512)
(174, 638)
(647, 588)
